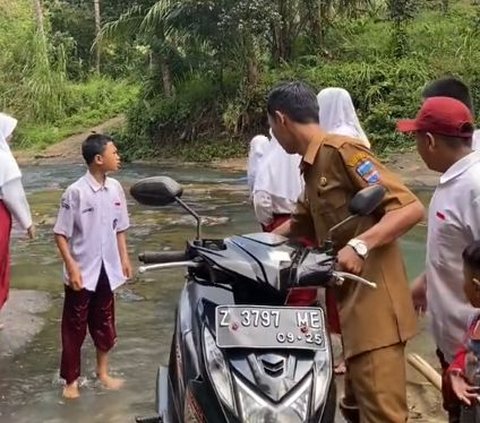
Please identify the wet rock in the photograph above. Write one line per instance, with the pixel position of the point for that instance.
(21, 320)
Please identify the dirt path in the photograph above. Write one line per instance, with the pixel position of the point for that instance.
(68, 150)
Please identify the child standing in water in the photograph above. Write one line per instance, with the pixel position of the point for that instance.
(463, 372)
(90, 234)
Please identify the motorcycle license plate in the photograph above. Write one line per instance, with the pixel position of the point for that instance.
(270, 327)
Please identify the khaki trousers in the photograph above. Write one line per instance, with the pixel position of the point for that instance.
(376, 383)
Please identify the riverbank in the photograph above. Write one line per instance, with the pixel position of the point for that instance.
(407, 164)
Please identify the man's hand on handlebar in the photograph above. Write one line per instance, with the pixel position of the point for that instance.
(349, 261)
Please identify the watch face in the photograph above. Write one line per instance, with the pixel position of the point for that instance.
(361, 249)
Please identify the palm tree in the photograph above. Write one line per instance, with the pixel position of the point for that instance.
(154, 26)
(98, 28)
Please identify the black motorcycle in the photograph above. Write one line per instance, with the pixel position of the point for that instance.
(238, 354)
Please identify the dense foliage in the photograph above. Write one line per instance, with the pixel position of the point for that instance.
(224, 56)
(193, 75)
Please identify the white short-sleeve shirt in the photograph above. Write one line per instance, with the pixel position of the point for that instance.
(453, 224)
(90, 217)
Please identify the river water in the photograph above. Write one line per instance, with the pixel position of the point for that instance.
(29, 384)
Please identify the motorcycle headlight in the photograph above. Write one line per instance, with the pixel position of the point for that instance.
(218, 371)
(323, 375)
(255, 409)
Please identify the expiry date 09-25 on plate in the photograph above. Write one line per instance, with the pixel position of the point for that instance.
(270, 327)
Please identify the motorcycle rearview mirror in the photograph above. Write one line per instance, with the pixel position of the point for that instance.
(367, 200)
(363, 203)
(158, 191)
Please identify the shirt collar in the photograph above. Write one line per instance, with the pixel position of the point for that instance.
(460, 167)
(313, 147)
(93, 183)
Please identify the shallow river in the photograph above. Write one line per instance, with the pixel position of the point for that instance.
(29, 383)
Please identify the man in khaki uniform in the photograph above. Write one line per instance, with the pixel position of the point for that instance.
(376, 323)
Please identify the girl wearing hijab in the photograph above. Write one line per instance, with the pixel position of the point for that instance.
(337, 114)
(276, 189)
(258, 148)
(13, 202)
(277, 186)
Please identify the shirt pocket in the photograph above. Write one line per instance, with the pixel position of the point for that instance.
(329, 207)
(447, 244)
(117, 215)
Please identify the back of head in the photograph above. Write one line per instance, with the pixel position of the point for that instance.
(335, 108)
(94, 145)
(449, 87)
(337, 114)
(258, 144)
(296, 100)
(7, 126)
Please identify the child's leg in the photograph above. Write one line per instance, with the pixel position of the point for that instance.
(101, 324)
(74, 329)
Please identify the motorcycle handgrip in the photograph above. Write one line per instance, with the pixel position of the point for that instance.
(151, 257)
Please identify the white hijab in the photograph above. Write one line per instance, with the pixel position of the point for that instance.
(279, 173)
(9, 169)
(258, 148)
(337, 114)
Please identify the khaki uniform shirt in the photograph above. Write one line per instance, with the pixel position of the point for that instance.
(335, 168)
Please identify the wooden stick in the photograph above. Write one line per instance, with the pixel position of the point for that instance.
(426, 370)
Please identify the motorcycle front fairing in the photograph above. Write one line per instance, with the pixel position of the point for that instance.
(247, 384)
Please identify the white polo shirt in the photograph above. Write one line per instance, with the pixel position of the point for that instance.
(476, 140)
(90, 217)
(453, 223)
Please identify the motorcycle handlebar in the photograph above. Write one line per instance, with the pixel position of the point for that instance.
(341, 276)
(153, 257)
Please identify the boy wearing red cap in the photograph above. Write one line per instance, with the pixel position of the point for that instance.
(443, 131)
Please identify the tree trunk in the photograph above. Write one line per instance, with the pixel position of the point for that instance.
(37, 4)
(251, 60)
(166, 75)
(98, 28)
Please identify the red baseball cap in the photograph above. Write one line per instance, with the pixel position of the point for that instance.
(443, 116)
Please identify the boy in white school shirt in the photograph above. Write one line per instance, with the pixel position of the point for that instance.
(90, 235)
(443, 131)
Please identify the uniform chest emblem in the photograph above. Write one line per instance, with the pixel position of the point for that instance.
(323, 181)
(368, 172)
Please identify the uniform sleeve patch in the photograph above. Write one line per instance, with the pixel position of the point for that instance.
(357, 158)
(368, 172)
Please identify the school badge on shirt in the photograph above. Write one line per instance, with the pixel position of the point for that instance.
(368, 172)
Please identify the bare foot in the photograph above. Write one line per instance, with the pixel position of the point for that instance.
(340, 368)
(1, 326)
(71, 391)
(111, 383)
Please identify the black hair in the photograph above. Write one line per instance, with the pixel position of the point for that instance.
(94, 144)
(471, 255)
(297, 100)
(450, 87)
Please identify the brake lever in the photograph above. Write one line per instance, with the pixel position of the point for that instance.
(161, 266)
(341, 276)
